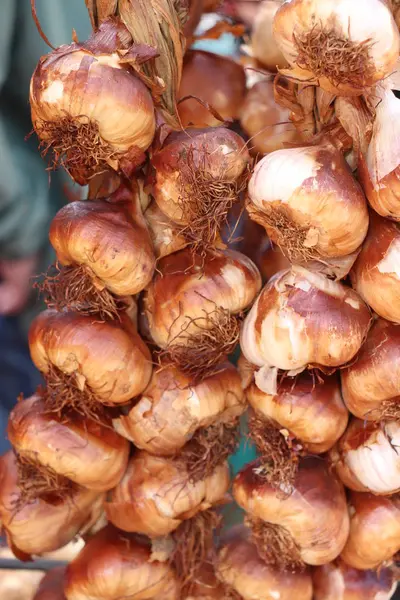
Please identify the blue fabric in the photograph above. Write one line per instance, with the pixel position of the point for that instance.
(17, 372)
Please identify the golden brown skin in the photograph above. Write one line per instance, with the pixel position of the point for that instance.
(216, 80)
(52, 585)
(41, 526)
(178, 294)
(338, 581)
(107, 356)
(374, 530)
(313, 411)
(376, 275)
(115, 249)
(118, 565)
(315, 513)
(83, 450)
(173, 407)
(240, 567)
(156, 495)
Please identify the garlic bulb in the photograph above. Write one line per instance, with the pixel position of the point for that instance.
(173, 407)
(337, 581)
(366, 458)
(344, 47)
(312, 411)
(302, 319)
(309, 203)
(42, 525)
(376, 273)
(90, 109)
(156, 494)
(83, 450)
(263, 44)
(240, 567)
(191, 303)
(165, 234)
(107, 359)
(374, 530)
(266, 123)
(371, 386)
(118, 565)
(310, 525)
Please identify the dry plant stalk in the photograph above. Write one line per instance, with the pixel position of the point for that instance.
(205, 200)
(327, 54)
(73, 288)
(193, 547)
(199, 354)
(37, 481)
(208, 448)
(275, 545)
(279, 455)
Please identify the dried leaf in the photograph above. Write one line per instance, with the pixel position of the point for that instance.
(357, 121)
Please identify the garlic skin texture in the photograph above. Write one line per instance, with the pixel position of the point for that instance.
(263, 44)
(302, 319)
(343, 24)
(376, 272)
(309, 203)
(240, 567)
(173, 407)
(312, 411)
(371, 386)
(366, 459)
(156, 494)
(338, 581)
(315, 513)
(374, 530)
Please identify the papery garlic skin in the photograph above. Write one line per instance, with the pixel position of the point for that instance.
(41, 526)
(348, 23)
(309, 202)
(338, 581)
(315, 513)
(93, 89)
(156, 494)
(302, 319)
(263, 44)
(103, 237)
(186, 288)
(165, 234)
(240, 567)
(173, 407)
(366, 458)
(115, 565)
(83, 450)
(312, 411)
(376, 272)
(109, 357)
(371, 386)
(374, 530)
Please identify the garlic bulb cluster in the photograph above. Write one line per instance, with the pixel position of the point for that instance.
(302, 319)
(343, 47)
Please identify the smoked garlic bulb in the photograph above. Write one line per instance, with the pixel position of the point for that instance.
(337, 581)
(107, 359)
(310, 410)
(241, 568)
(83, 450)
(371, 386)
(309, 203)
(302, 319)
(118, 565)
(165, 234)
(366, 457)
(156, 494)
(344, 47)
(42, 525)
(374, 530)
(309, 524)
(173, 407)
(263, 44)
(376, 273)
(90, 109)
